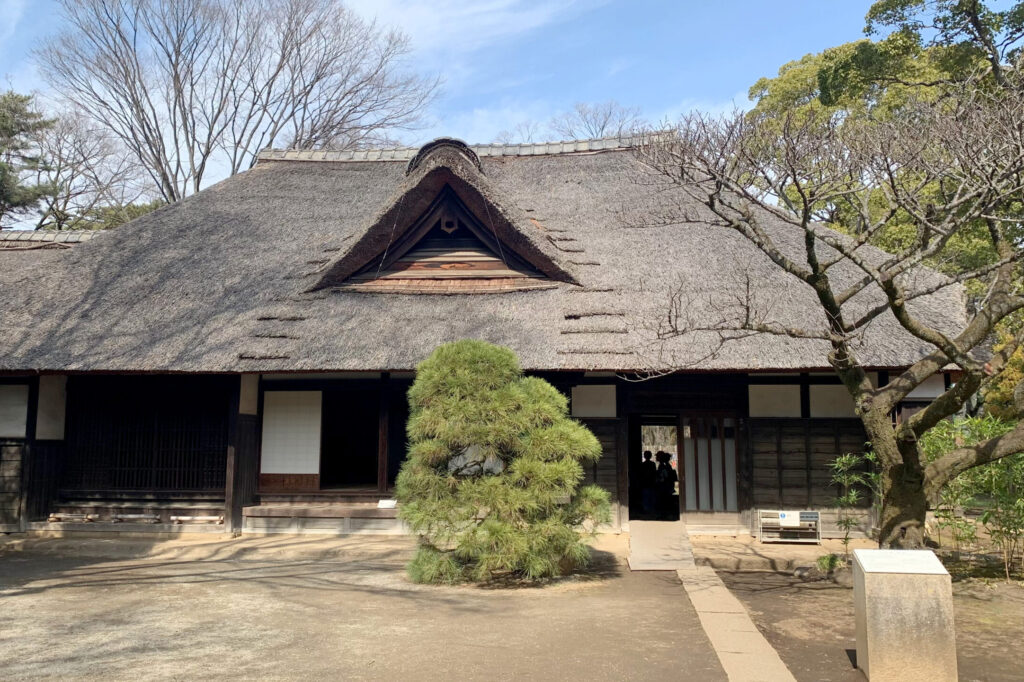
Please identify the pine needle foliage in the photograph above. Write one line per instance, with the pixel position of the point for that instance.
(492, 478)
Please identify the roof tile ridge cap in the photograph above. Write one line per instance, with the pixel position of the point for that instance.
(557, 147)
(406, 153)
(337, 155)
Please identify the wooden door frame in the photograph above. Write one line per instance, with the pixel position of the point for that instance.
(720, 416)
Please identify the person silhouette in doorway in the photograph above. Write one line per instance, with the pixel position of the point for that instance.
(648, 472)
(665, 485)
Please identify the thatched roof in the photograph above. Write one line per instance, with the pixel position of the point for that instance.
(244, 276)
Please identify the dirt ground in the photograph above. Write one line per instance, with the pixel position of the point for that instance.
(747, 553)
(338, 610)
(810, 624)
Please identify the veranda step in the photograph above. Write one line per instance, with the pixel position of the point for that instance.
(321, 510)
(58, 517)
(197, 519)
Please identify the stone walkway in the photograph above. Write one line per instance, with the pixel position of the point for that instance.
(659, 546)
(742, 650)
(745, 655)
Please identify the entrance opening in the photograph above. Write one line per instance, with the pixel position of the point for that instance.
(654, 470)
(348, 453)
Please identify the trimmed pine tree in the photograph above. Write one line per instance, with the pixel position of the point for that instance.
(491, 482)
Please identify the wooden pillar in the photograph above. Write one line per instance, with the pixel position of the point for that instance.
(383, 427)
(808, 460)
(622, 454)
(232, 503)
(27, 456)
(778, 459)
(243, 450)
(805, 396)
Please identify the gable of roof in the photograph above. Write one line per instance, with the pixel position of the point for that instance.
(447, 250)
(449, 166)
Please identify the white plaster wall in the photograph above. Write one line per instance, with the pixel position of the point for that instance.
(596, 401)
(13, 410)
(831, 401)
(930, 388)
(291, 432)
(52, 399)
(774, 400)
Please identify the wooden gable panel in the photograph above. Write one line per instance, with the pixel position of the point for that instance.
(449, 244)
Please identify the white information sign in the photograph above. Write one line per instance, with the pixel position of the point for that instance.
(920, 561)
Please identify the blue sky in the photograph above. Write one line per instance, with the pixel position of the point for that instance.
(508, 61)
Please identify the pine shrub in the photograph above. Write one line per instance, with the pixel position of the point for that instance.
(491, 482)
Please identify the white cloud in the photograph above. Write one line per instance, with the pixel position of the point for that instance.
(481, 125)
(11, 12)
(457, 26)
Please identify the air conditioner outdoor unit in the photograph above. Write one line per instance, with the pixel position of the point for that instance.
(775, 525)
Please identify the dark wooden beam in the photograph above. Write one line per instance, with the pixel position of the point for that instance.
(232, 503)
(383, 423)
(805, 396)
(27, 452)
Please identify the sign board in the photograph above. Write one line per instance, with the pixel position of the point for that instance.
(919, 561)
(789, 519)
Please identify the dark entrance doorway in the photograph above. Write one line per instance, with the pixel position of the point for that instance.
(654, 471)
(350, 432)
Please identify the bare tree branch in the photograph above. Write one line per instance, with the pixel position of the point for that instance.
(191, 85)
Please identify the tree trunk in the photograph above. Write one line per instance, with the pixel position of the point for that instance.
(904, 505)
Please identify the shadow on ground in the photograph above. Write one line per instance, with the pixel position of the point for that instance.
(292, 607)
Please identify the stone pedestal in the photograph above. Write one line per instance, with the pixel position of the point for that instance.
(903, 600)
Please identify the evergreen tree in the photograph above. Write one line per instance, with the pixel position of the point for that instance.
(19, 155)
(492, 478)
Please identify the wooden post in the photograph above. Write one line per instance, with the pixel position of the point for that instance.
(725, 480)
(622, 454)
(232, 505)
(778, 459)
(383, 426)
(808, 461)
(27, 454)
(681, 461)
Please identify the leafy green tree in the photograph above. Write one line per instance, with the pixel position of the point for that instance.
(997, 488)
(1002, 482)
(964, 31)
(108, 217)
(850, 475)
(928, 50)
(19, 155)
(492, 478)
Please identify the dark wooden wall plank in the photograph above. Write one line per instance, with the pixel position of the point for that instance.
(791, 459)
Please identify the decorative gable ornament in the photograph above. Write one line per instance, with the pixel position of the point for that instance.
(446, 245)
(445, 233)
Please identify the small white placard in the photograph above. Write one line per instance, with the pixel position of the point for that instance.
(789, 519)
(921, 561)
(387, 504)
